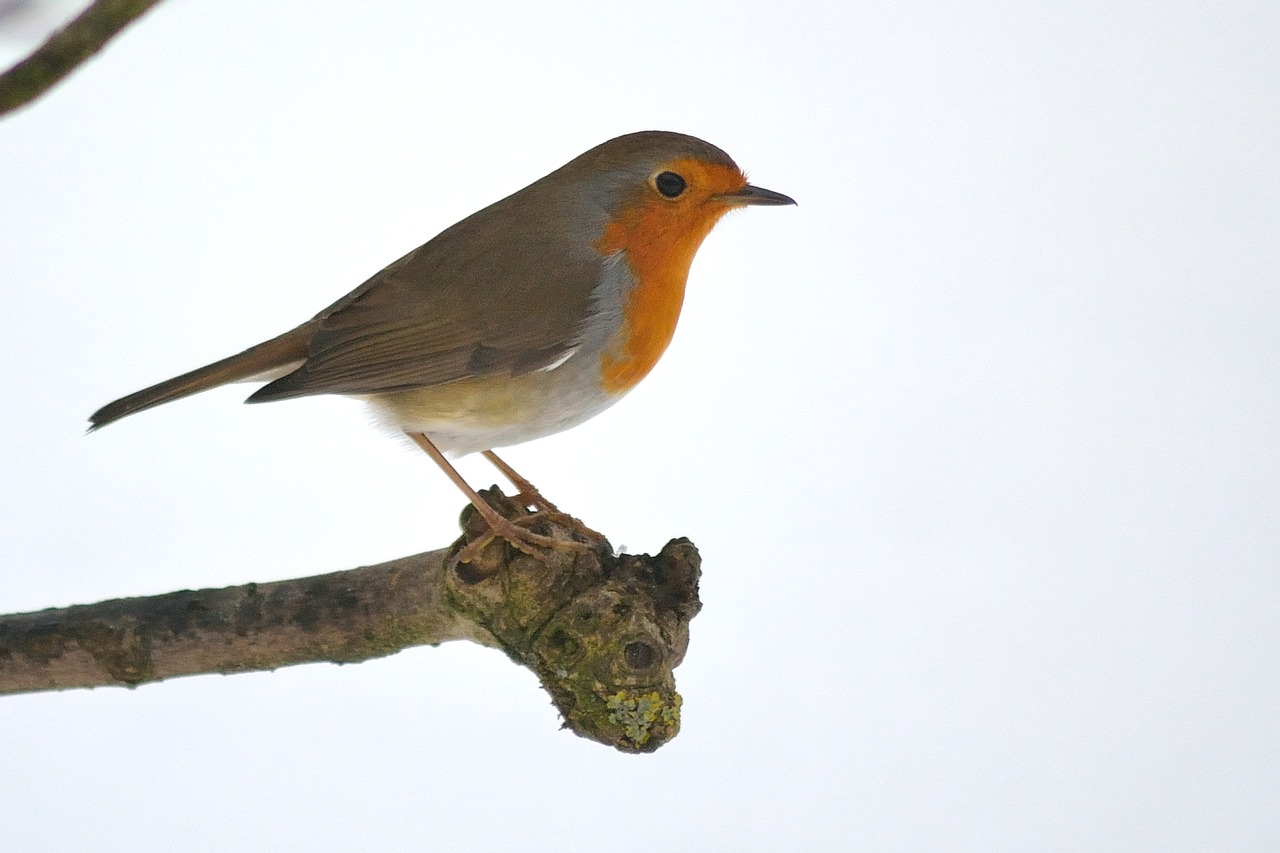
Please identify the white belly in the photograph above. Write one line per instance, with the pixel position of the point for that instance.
(471, 415)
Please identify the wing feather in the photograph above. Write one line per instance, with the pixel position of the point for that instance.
(478, 300)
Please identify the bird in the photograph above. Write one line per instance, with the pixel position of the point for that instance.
(524, 319)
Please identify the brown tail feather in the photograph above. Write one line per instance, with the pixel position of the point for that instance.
(275, 353)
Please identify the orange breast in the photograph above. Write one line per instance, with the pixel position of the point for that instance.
(658, 239)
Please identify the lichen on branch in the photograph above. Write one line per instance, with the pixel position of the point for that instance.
(603, 632)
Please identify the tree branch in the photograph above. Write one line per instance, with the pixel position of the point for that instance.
(602, 632)
(342, 617)
(67, 48)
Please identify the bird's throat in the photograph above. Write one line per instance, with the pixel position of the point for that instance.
(658, 246)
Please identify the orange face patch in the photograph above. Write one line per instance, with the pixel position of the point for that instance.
(659, 236)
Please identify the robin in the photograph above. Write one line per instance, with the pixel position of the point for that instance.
(522, 320)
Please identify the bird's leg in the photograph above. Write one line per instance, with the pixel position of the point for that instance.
(518, 536)
(527, 493)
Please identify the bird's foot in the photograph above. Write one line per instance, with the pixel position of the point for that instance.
(492, 524)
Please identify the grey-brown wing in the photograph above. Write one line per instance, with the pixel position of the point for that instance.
(472, 302)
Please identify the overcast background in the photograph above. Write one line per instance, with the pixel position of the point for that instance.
(979, 443)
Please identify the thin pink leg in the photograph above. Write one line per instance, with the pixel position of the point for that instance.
(527, 491)
(517, 536)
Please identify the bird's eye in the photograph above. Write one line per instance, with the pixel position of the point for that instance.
(669, 184)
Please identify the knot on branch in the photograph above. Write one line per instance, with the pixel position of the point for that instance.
(603, 632)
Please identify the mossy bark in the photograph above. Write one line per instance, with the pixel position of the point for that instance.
(84, 36)
(603, 632)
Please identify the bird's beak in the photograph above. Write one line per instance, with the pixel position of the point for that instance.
(754, 195)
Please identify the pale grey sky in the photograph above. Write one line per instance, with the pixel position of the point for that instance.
(980, 442)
